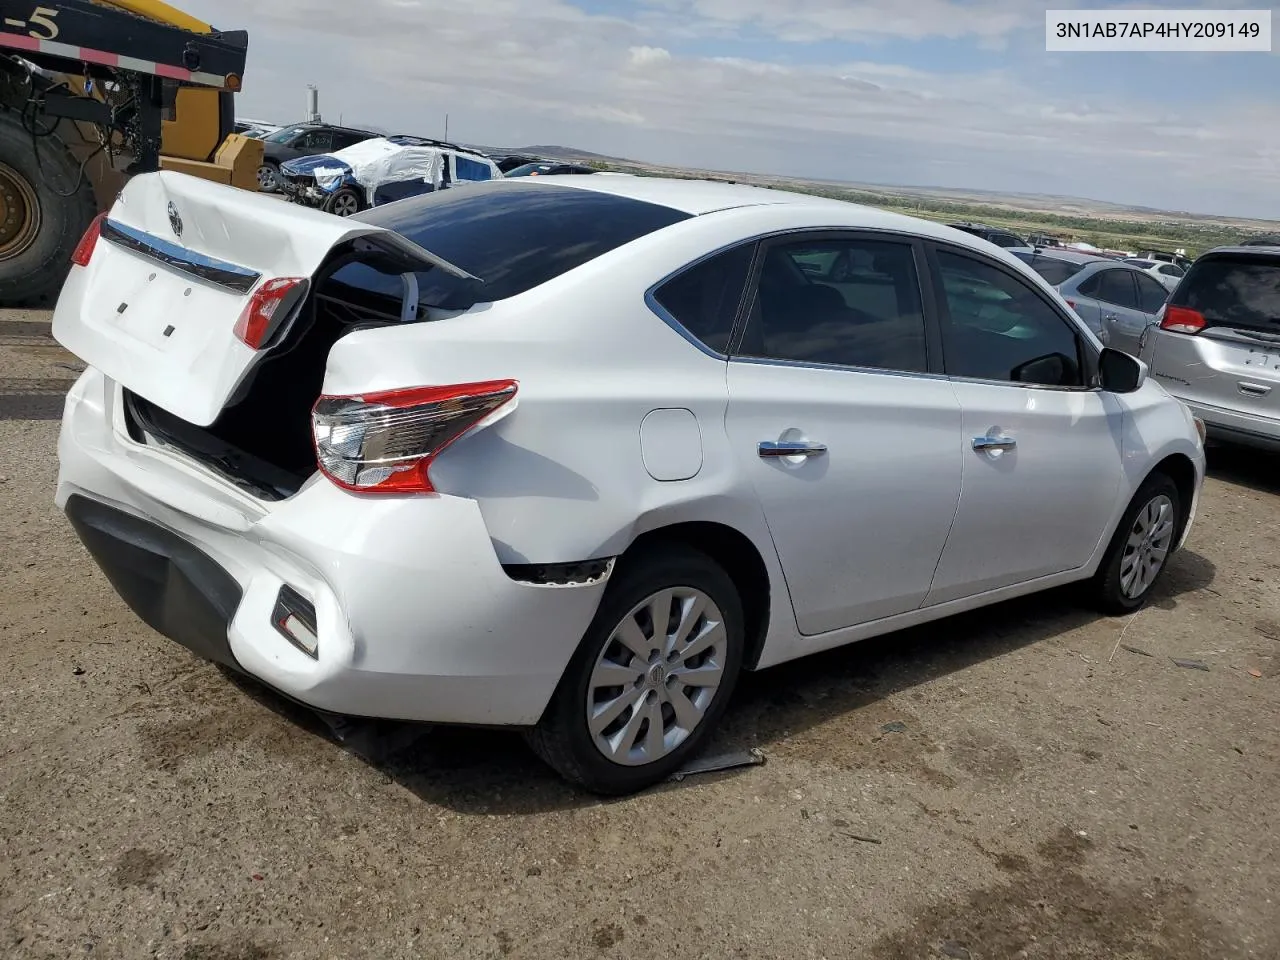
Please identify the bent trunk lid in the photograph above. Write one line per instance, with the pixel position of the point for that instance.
(177, 262)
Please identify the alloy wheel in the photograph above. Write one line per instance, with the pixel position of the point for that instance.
(1150, 539)
(266, 177)
(345, 204)
(656, 676)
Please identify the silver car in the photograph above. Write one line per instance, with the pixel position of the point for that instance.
(1116, 300)
(1217, 345)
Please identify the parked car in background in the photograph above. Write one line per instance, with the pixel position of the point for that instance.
(1165, 257)
(303, 140)
(1043, 240)
(1116, 300)
(381, 170)
(1168, 274)
(1001, 238)
(567, 454)
(549, 168)
(1268, 240)
(255, 128)
(509, 162)
(1217, 345)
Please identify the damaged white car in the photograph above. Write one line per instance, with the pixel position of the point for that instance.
(567, 454)
(381, 170)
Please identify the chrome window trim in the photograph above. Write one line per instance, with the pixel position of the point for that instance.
(210, 269)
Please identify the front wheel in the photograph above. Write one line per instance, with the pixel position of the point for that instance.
(1140, 548)
(268, 178)
(652, 676)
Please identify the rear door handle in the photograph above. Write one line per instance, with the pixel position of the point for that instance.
(1252, 389)
(994, 443)
(790, 448)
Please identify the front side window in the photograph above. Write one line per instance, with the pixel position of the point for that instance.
(1007, 240)
(996, 327)
(850, 302)
(1171, 270)
(704, 299)
(317, 140)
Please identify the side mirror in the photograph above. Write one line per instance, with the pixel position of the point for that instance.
(1119, 372)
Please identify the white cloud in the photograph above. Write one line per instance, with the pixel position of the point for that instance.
(511, 73)
(642, 56)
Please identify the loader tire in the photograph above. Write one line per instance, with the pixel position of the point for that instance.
(39, 228)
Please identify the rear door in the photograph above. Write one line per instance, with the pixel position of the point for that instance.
(1117, 292)
(178, 261)
(1041, 450)
(1233, 362)
(849, 436)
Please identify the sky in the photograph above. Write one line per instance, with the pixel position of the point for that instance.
(948, 93)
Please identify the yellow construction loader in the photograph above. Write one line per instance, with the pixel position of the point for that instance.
(92, 91)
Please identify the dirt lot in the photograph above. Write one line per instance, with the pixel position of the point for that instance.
(1029, 781)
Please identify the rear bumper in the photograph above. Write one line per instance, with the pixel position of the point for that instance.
(1234, 426)
(415, 617)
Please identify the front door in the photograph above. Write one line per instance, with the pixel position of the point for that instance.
(849, 438)
(1042, 448)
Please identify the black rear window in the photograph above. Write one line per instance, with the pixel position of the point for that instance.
(1234, 291)
(514, 236)
(1053, 270)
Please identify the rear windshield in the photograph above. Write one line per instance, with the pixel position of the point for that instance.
(514, 236)
(1053, 270)
(1234, 291)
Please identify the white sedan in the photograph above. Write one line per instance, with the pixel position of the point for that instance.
(568, 454)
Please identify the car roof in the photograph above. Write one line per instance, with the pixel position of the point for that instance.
(699, 197)
(1067, 255)
(1252, 250)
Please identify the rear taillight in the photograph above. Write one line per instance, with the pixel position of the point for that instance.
(385, 442)
(1182, 320)
(83, 252)
(267, 308)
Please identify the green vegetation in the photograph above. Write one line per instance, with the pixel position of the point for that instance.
(1110, 233)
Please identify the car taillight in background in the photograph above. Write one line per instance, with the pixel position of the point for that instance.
(267, 308)
(385, 442)
(83, 252)
(1182, 320)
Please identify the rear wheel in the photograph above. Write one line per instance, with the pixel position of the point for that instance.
(1140, 548)
(652, 677)
(343, 202)
(39, 227)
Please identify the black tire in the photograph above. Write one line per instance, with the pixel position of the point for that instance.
(1106, 590)
(343, 199)
(33, 275)
(562, 737)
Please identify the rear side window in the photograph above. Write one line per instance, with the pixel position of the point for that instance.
(1111, 286)
(1234, 292)
(469, 169)
(705, 298)
(515, 235)
(1151, 295)
(1053, 270)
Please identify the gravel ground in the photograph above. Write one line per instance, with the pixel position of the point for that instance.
(1026, 781)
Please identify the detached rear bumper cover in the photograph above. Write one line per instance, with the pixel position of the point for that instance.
(416, 618)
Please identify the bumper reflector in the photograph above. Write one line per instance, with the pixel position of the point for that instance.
(295, 619)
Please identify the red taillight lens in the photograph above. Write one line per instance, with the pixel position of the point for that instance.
(83, 252)
(266, 308)
(384, 442)
(1182, 320)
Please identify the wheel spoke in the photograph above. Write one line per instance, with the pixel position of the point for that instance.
(710, 635)
(707, 675)
(632, 637)
(687, 713)
(610, 674)
(605, 713)
(654, 741)
(660, 616)
(625, 739)
(691, 610)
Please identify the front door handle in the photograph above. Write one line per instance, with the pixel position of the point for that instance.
(994, 443)
(790, 448)
(1110, 317)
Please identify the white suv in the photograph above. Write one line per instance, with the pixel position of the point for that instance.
(567, 454)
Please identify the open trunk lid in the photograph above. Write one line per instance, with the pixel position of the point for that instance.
(178, 260)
